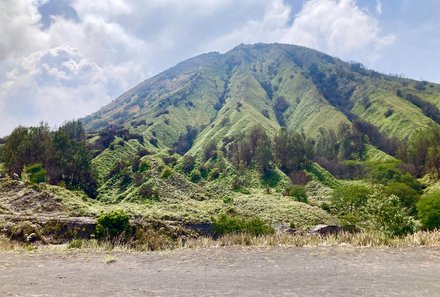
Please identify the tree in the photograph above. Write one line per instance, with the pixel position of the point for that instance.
(210, 151)
(408, 196)
(62, 153)
(188, 163)
(293, 151)
(423, 151)
(429, 210)
(185, 141)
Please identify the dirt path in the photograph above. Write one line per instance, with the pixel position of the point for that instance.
(225, 272)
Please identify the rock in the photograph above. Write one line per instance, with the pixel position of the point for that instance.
(326, 229)
(283, 229)
(32, 237)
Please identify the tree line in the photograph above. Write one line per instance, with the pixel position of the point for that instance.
(62, 154)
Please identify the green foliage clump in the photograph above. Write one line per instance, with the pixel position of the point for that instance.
(113, 224)
(429, 210)
(144, 165)
(385, 214)
(148, 190)
(363, 208)
(347, 200)
(188, 163)
(227, 224)
(196, 176)
(36, 173)
(408, 196)
(204, 170)
(215, 173)
(423, 151)
(298, 192)
(228, 199)
(63, 153)
(210, 151)
(166, 172)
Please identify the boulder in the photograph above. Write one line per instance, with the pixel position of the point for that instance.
(326, 229)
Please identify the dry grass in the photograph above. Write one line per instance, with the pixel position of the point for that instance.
(108, 259)
(430, 239)
(419, 239)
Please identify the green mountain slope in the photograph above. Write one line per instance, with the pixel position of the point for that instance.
(224, 96)
(273, 85)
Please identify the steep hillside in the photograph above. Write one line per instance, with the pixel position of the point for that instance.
(272, 85)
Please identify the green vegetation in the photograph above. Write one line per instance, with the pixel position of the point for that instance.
(36, 173)
(429, 210)
(298, 192)
(282, 132)
(225, 224)
(113, 224)
(63, 155)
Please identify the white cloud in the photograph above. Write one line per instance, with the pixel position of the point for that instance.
(378, 7)
(52, 85)
(338, 27)
(73, 67)
(19, 33)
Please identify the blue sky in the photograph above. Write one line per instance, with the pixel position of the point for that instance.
(64, 59)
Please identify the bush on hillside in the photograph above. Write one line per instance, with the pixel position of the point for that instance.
(408, 196)
(225, 224)
(113, 224)
(429, 210)
(188, 163)
(384, 214)
(298, 192)
(167, 172)
(148, 190)
(196, 176)
(36, 173)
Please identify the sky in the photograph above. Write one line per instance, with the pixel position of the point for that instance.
(65, 59)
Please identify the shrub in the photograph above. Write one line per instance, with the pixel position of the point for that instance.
(144, 166)
(36, 173)
(384, 214)
(210, 151)
(154, 141)
(429, 210)
(408, 196)
(169, 160)
(389, 112)
(188, 163)
(136, 163)
(238, 183)
(113, 224)
(204, 170)
(348, 199)
(196, 176)
(148, 190)
(215, 173)
(225, 224)
(167, 172)
(228, 199)
(298, 192)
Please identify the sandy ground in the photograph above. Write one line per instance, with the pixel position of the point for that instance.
(224, 272)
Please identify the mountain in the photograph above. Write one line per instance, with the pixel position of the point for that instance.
(273, 85)
(207, 138)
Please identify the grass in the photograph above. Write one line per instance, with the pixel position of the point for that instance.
(372, 240)
(108, 259)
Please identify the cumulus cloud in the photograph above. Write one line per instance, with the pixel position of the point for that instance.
(338, 27)
(19, 33)
(70, 66)
(49, 85)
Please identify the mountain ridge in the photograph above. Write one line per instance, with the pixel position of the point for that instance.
(276, 85)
